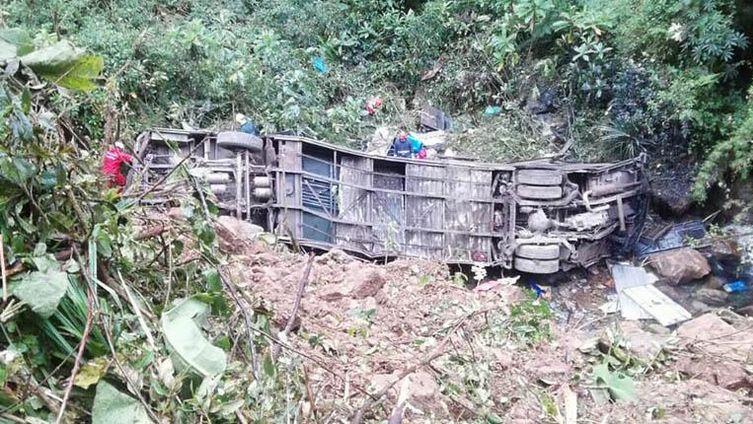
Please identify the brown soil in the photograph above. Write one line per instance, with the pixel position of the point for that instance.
(362, 324)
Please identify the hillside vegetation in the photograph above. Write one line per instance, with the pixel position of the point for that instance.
(105, 300)
(618, 76)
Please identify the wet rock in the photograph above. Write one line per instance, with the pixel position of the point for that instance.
(542, 101)
(680, 266)
(736, 320)
(698, 308)
(671, 183)
(714, 282)
(669, 200)
(725, 250)
(711, 297)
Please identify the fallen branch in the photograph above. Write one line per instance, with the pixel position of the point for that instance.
(150, 232)
(90, 280)
(17, 268)
(79, 355)
(129, 383)
(284, 345)
(435, 353)
(249, 326)
(296, 305)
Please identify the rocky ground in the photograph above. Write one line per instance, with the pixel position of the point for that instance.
(441, 351)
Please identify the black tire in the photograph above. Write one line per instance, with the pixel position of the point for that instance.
(538, 251)
(539, 192)
(537, 266)
(541, 177)
(239, 140)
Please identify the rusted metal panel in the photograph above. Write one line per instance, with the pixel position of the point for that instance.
(451, 210)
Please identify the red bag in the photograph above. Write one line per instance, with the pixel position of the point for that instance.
(113, 160)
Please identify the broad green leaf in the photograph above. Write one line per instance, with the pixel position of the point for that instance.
(269, 366)
(190, 348)
(65, 65)
(53, 60)
(113, 407)
(16, 170)
(41, 290)
(82, 74)
(620, 386)
(45, 262)
(214, 283)
(26, 100)
(19, 39)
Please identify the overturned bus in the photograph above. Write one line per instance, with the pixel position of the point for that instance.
(537, 216)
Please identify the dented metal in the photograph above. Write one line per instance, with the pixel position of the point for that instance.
(537, 216)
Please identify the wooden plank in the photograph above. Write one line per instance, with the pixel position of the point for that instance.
(289, 189)
(658, 305)
(466, 210)
(424, 244)
(354, 204)
(424, 212)
(353, 200)
(388, 213)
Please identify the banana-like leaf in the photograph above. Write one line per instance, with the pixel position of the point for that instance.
(19, 39)
(190, 348)
(65, 65)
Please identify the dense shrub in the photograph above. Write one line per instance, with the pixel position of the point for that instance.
(628, 75)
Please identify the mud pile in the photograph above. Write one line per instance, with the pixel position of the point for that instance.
(448, 353)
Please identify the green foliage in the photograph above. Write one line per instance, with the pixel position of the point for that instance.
(530, 320)
(113, 406)
(41, 289)
(731, 157)
(619, 386)
(633, 75)
(689, 32)
(181, 326)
